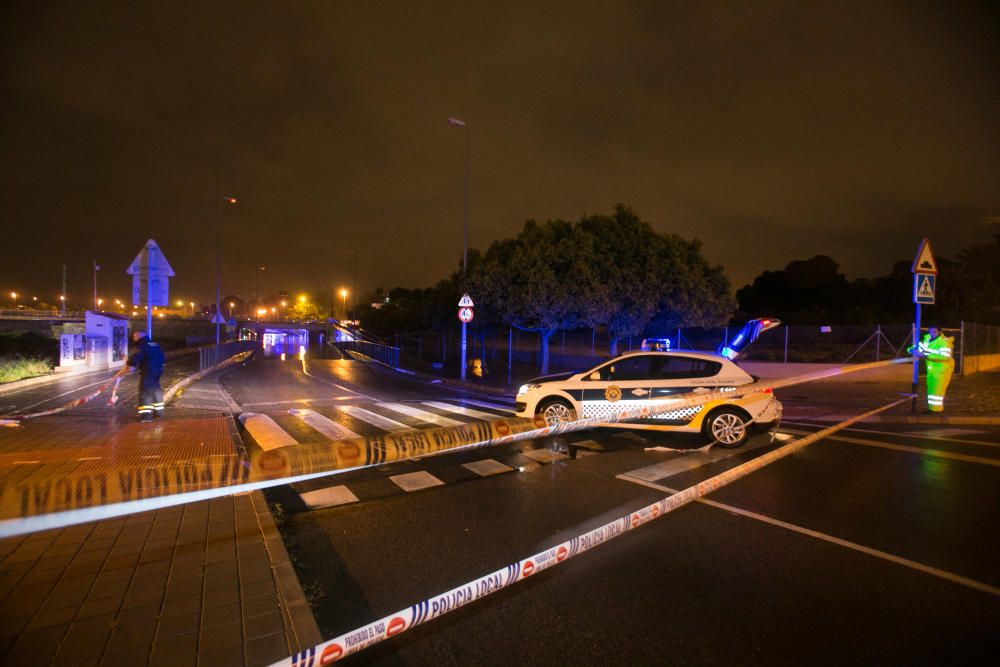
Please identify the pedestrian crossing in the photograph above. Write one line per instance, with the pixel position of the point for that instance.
(344, 422)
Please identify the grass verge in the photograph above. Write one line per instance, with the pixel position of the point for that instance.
(18, 368)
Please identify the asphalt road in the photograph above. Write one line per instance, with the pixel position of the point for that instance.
(879, 546)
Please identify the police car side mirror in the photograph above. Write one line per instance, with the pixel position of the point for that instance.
(595, 376)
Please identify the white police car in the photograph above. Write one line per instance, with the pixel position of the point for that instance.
(646, 378)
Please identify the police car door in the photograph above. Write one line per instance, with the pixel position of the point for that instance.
(621, 385)
(676, 374)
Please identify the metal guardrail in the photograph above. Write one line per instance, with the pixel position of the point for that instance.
(36, 314)
(384, 353)
(210, 355)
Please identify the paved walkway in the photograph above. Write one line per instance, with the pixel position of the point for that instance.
(205, 583)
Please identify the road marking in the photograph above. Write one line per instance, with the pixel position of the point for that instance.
(486, 404)
(334, 384)
(468, 412)
(300, 400)
(909, 434)
(487, 467)
(65, 393)
(692, 459)
(913, 450)
(415, 481)
(423, 415)
(544, 455)
(328, 497)
(324, 425)
(899, 560)
(373, 418)
(266, 432)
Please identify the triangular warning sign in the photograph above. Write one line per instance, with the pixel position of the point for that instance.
(150, 260)
(924, 263)
(925, 291)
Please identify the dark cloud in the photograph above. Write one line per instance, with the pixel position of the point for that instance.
(771, 131)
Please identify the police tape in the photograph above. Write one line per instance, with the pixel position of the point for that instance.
(438, 605)
(85, 494)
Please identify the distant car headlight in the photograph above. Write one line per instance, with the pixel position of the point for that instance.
(525, 388)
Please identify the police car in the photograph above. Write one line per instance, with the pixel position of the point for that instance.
(649, 378)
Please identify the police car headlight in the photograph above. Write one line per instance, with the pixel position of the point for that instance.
(525, 388)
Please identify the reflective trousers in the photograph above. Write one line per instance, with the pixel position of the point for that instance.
(938, 377)
(150, 397)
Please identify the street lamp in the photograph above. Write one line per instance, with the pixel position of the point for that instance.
(218, 262)
(284, 312)
(191, 303)
(231, 304)
(13, 295)
(455, 122)
(343, 295)
(256, 285)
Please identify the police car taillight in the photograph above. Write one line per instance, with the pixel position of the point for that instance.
(767, 390)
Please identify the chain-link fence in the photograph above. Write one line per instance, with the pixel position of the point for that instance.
(834, 344)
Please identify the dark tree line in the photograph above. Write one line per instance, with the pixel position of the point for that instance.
(814, 291)
(611, 271)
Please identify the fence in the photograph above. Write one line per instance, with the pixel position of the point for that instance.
(834, 344)
(385, 353)
(210, 355)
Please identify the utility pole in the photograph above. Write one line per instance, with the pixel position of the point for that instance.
(97, 306)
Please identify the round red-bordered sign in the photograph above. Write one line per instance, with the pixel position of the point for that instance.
(465, 314)
(395, 626)
(331, 654)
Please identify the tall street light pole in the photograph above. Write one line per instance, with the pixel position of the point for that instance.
(455, 122)
(343, 296)
(256, 287)
(218, 264)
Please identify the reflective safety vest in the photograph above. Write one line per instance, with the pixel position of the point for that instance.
(938, 349)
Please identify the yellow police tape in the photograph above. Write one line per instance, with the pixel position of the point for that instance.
(90, 493)
(436, 606)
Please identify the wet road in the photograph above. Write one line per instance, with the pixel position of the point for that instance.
(876, 546)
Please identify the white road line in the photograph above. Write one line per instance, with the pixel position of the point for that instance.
(458, 410)
(487, 404)
(300, 400)
(689, 461)
(899, 560)
(324, 425)
(422, 415)
(266, 432)
(415, 481)
(913, 450)
(65, 393)
(909, 434)
(373, 418)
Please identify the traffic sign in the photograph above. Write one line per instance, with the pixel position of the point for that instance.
(466, 302)
(924, 262)
(465, 314)
(924, 286)
(151, 274)
(218, 318)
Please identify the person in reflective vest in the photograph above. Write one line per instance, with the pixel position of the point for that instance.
(937, 350)
(148, 359)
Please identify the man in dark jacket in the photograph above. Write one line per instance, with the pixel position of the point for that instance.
(148, 359)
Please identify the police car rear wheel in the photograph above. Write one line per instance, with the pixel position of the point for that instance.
(728, 428)
(555, 411)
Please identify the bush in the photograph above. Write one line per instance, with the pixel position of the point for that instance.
(17, 368)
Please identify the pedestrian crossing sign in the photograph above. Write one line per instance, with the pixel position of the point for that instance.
(924, 286)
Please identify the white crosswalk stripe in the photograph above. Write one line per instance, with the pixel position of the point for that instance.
(422, 415)
(459, 410)
(374, 418)
(324, 425)
(487, 404)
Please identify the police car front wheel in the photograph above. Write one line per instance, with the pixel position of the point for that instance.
(728, 428)
(555, 411)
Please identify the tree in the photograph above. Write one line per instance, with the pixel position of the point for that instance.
(536, 282)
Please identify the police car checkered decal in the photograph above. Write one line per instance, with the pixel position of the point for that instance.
(605, 410)
(685, 413)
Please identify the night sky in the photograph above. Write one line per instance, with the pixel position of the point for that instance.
(771, 131)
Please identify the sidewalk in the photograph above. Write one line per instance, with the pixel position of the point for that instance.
(205, 583)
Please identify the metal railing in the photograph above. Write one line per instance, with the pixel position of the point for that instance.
(211, 355)
(37, 314)
(386, 354)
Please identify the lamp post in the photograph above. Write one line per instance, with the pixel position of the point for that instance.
(231, 304)
(192, 309)
(13, 295)
(343, 296)
(455, 122)
(256, 286)
(218, 261)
